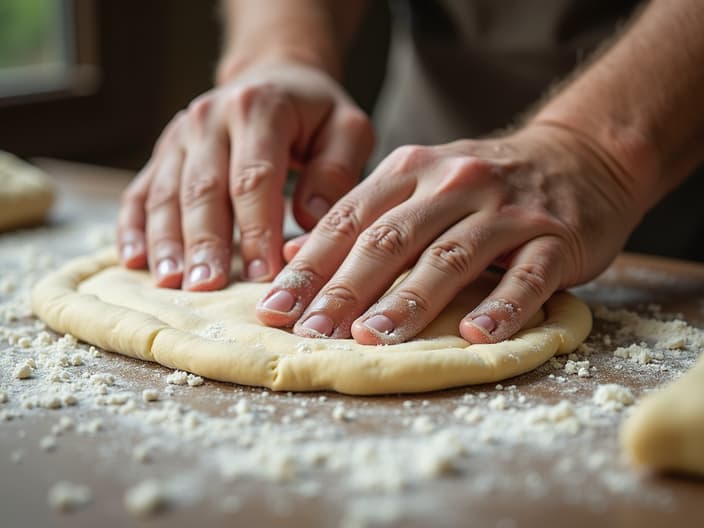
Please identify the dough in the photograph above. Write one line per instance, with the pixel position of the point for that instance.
(25, 193)
(666, 430)
(217, 335)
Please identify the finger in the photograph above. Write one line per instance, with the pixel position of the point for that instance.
(380, 254)
(131, 220)
(163, 230)
(533, 276)
(339, 155)
(206, 215)
(262, 132)
(293, 246)
(449, 264)
(330, 242)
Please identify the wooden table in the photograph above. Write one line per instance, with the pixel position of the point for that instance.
(527, 486)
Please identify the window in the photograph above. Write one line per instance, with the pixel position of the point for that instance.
(44, 49)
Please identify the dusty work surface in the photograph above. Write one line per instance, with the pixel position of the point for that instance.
(78, 433)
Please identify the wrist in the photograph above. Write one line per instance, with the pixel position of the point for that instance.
(232, 64)
(624, 149)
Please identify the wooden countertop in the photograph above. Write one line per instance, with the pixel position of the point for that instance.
(88, 196)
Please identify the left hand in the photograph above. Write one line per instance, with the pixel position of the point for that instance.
(545, 203)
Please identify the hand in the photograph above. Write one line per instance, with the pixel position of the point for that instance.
(227, 156)
(543, 202)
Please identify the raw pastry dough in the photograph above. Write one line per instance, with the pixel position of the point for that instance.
(216, 335)
(25, 193)
(666, 430)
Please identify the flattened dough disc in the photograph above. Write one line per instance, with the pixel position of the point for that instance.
(216, 335)
(25, 193)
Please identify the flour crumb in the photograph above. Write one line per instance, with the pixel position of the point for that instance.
(498, 403)
(194, 381)
(638, 353)
(578, 368)
(177, 377)
(340, 414)
(150, 395)
(23, 371)
(146, 498)
(67, 497)
(612, 397)
(423, 424)
(48, 443)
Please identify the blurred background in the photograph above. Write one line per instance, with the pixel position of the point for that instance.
(96, 81)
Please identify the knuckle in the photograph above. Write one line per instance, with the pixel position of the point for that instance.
(255, 232)
(340, 222)
(357, 122)
(451, 258)
(250, 178)
(409, 157)
(340, 293)
(206, 243)
(464, 172)
(382, 240)
(200, 188)
(533, 278)
(304, 271)
(133, 193)
(413, 299)
(243, 99)
(163, 242)
(160, 194)
(199, 110)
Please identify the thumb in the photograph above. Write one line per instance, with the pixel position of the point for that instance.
(340, 152)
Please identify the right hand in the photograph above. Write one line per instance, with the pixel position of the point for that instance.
(226, 156)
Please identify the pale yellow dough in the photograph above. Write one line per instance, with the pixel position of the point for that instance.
(666, 430)
(216, 335)
(25, 193)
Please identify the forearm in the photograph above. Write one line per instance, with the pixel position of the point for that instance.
(313, 32)
(642, 101)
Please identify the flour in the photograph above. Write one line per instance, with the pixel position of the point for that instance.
(345, 451)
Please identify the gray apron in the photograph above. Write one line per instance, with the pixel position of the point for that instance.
(465, 68)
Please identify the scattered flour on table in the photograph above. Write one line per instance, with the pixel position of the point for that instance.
(313, 445)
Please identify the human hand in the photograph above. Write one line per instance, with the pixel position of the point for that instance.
(227, 156)
(543, 202)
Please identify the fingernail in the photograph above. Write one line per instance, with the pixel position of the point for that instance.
(257, 268)
(485, 322)
(129, 251)
(166, 266)
(319, 323)
(380, 323)
(199, 273)
(281, 301)
(317, 206)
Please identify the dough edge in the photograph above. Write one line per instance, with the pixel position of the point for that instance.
(365, 370)
(665, 432)
(26, 193)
